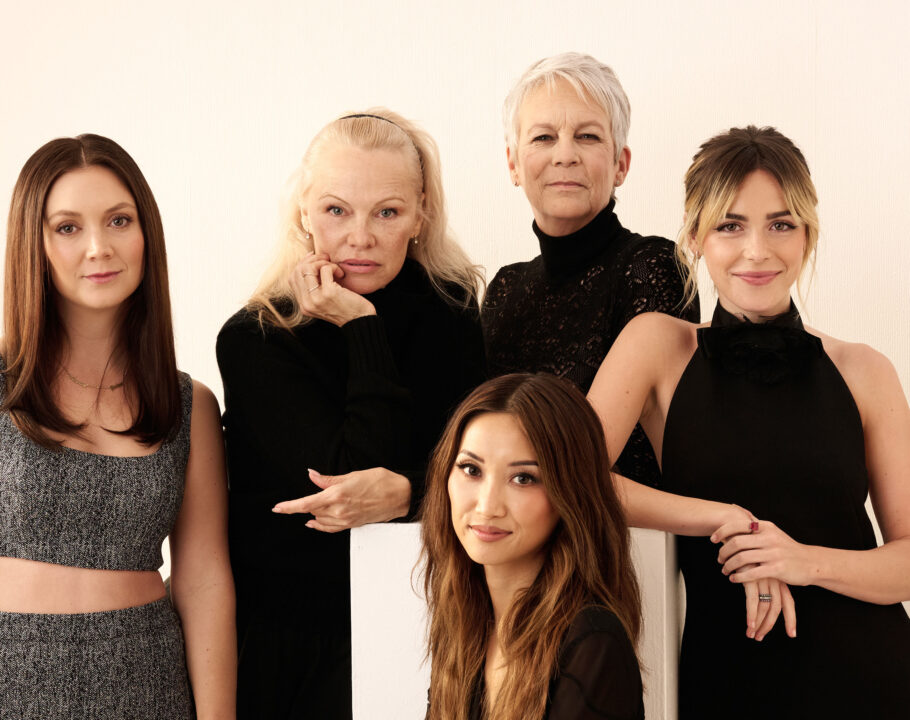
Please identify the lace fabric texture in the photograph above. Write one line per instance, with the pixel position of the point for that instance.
(561, 312)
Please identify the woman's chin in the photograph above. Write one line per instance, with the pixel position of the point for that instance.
(361, 285)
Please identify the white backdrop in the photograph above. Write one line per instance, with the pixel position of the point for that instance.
(217, 101)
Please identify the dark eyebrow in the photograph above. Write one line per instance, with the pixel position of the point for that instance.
(73, 213)
(769, 216)
(511, 464)
(64, 213)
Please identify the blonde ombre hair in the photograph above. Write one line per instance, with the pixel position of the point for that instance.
(447, 265)
(719, 168)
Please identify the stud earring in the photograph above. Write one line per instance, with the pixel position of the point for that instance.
(414, 240)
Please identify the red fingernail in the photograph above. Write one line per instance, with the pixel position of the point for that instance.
(753, 526)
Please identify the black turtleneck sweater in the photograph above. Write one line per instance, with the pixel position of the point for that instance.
(561, 312)
(375, 392)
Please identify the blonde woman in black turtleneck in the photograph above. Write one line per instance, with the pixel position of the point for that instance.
(339, 375)
(566, 123)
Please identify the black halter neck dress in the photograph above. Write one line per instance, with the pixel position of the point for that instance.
(761, 417)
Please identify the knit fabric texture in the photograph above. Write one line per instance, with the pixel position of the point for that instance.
(81, 509)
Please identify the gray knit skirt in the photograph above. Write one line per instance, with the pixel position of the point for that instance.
(125, 663)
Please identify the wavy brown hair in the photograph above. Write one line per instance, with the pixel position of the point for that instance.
(587, 559)
(34, 335)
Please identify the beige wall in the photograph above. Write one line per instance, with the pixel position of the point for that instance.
(217, 101)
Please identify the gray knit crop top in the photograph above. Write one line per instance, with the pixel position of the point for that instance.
(71, 507)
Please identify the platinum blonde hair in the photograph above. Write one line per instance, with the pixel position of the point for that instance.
(446, 264)
(588, 76)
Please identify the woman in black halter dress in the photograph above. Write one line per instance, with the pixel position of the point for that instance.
(789, 423)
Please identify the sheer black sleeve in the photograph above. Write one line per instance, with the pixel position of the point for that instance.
(503, 295)
(653, 282)
(598, 676)
(650, 280)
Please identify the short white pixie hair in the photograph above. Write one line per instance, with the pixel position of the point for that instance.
(588, 76)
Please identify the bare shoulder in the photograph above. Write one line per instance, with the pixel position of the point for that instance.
(661, 327)
(869, 374)
(206, 459)
(653, 348)
(203, 395)
(206, 412)
(658, 331)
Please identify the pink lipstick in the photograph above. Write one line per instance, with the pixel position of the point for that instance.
(757, 278)
(358, 266)
(102, 277)
(489, 533)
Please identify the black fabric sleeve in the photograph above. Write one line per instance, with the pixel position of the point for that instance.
(289, 406)
(598, 676)
(492, 317)
(654, 282)
(446, 362)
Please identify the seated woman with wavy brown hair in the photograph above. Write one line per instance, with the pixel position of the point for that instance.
(533, 601)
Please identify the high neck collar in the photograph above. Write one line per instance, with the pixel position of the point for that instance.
(566, 255)
(768, 352)
(790, 318)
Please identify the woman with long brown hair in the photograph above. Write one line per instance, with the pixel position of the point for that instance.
(533, 601)
(105, 450)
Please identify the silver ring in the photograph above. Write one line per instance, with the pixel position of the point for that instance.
(764, 597)
(314, 288)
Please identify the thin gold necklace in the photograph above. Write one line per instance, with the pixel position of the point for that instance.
(76, 380)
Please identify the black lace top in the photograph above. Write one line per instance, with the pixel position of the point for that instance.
(562, 311)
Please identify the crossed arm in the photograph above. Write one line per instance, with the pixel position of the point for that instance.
(635, 384)
(638, 378)
(880, 575)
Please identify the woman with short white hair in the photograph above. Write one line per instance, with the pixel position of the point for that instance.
(566, 124)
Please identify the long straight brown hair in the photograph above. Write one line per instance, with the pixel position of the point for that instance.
(33, 331)
(587, 560)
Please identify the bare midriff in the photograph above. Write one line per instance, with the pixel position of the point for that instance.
(29, 586)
